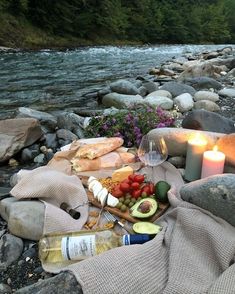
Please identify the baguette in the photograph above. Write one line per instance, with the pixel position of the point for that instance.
(91, 151)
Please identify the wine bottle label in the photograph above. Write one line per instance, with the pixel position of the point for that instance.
(79, 247)
(126, 240)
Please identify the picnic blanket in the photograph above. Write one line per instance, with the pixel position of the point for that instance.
(194, 253)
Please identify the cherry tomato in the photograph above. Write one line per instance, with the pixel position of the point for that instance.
(146, 189)
(131, 177)
(151, 187)
(136, 194)
(127, 181)
(139, 178)
(116, 192)
(135, 185)
(125, 187)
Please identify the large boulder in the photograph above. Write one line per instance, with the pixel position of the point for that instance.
(121, 101)
(200, 83)
(15, 134)
(208, 121)
(177, 89)
(124, 87)
(226, 144)
(176, 139)
(215, 194)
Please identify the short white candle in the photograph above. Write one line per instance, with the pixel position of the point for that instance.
(212, 163)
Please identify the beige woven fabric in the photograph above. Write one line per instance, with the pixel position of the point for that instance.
(193, 254)
(54, 187)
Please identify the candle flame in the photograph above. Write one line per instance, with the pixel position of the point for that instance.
(215, 148)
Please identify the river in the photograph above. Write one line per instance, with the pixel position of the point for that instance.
(52, 80)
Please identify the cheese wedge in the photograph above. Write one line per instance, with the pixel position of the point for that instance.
(122, 173)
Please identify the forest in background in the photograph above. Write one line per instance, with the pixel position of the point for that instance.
(70, 23)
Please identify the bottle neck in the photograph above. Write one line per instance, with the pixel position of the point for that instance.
(136, 239)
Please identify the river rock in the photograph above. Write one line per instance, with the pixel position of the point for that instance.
(197, 69)
(208, 121)
(124, 87)
(4, 192)
(184, 102)
(177, 89)
(142, 91)
(29, 153)
(159, 101)
(45, 119)
(121, 101)
(15, 134)
(227, 92)
(62, 283)
(66, 135)
(11, 248)
(162, 93)
(51, 140)
(215, 194)
(176, 138)
(206, 95)
(5, 205)
(226, 144)
(150, 86)
(200, 83)
(26, 219)
(206, 105)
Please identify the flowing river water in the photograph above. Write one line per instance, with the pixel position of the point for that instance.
(50, 80)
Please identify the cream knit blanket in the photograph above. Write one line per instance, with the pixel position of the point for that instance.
(194, 253)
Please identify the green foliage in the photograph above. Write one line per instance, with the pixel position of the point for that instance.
(130, 125)
(147, 21)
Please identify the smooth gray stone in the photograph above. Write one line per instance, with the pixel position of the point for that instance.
(201, 83)
(62, 283)
(11, 248)
(206, 105)
(208, 121)
(50, 140)
(151, 86)
(215, 194)
(124, 87)
(5, 205)
(46, 119)
(177, 89)
(66, 135)
(26, 219)
(121, 101)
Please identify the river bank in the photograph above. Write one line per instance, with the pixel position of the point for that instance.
(203, 82)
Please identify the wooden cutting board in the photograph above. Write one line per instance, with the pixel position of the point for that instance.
(162, 207)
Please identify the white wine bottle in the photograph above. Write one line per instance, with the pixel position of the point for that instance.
(59, 247)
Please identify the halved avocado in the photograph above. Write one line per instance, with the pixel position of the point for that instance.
(144, 208)
(146, 228)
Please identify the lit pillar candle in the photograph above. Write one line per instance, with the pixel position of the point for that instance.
(212, 163)
(195, 149)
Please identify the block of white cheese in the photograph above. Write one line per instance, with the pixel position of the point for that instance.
(122, 173)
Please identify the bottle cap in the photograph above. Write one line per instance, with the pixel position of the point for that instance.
(137, 239)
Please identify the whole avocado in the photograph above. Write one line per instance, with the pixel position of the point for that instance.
(161, 189)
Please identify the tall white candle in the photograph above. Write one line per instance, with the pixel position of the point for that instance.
(212, 163)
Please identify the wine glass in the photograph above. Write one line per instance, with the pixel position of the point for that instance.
(152, 152)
